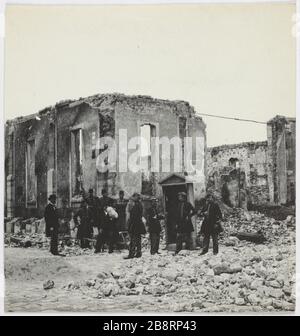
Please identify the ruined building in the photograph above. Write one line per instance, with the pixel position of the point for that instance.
(254, 173)
(55, 151)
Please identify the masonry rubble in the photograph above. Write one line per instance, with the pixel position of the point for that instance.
(244, 275)
(37, 166)
(250, 174)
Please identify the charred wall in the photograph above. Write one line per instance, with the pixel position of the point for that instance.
(241, 170)
(63, 140)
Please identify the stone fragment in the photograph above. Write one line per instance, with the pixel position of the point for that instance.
(49, 284)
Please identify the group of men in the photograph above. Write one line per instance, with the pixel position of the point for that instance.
(111, 216)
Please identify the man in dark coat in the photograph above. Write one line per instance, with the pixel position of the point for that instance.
(85, 229)
(121, 205)
(65, 215)
(154, 227)
(136, 228)
(93, 207)
(52, 224)
(184, 222)
(103, 221)
(211, 226)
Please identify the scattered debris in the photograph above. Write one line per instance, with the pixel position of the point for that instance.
(49, 284)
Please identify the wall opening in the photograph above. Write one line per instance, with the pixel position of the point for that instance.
(147, 131)
(30, 174)
(234, 163)
(76, 162)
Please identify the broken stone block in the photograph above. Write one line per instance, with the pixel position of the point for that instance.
(274, 284)
(41, 226)
(139, 271)
(283, 305)
(170, 275)
(90, 283)
(240, 301)
(231, 241)
(274, 292)
(163, 263)
(253, 299)
(257, 238)
(110, 290)
(49, 284)
(73, 285)
(102, 275)
(256, 284)
(219, 269)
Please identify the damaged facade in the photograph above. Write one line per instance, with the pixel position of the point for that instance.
(255, 173)
(55, 150)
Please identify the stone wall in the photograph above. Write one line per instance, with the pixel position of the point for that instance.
(281, 133)
(57, 169)
(243, 168)
(269, 167)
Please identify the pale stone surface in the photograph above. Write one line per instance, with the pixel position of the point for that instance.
(243, 278)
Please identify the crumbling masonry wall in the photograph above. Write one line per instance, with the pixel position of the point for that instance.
(64, 140)
(281, 132)
(243, 168)
(260, 172)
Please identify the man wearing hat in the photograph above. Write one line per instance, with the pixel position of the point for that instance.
(136, 228)
(52, 224)
(103, 221)
(85, 229)
(184, 222)
(154, 227)
(93, 207)
(211, 226)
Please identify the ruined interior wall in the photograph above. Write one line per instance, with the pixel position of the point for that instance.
(68, 119)
(196, 130)
(166, 118)
(107, 127)
(291, 161)
(131, 117)
(253, 162)
(282, 159)
(36, 130)
(96, 116)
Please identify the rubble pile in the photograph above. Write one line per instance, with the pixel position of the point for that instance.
(256, 277)
(26, 240)
(239, 221)
(21, 225)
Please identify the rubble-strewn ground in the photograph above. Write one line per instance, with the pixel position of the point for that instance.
(243, 277)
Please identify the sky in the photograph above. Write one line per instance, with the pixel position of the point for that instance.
(229, 60)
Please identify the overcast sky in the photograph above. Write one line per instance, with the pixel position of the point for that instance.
(230, 60)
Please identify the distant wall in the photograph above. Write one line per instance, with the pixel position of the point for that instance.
(250, 158)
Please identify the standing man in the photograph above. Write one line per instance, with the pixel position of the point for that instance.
(111, 231)
(184, 222)
(52, 224)
(103, 220)
(211, 226)
(93, 207)
(154, 227)
(65, 215)
(121, 205)
(136, 228)
(85, 229)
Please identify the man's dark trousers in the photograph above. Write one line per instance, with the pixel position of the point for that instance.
(108, 237)
(183, 237)
(54, 242)
(135, 246)
(154, 241)
(206, 242)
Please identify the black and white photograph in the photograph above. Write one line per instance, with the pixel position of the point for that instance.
(149, 158)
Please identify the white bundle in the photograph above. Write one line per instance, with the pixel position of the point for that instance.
(112, 213)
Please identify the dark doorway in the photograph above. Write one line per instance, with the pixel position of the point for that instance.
(171, 203)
